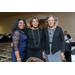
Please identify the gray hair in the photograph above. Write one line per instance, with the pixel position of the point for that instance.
(55, 19)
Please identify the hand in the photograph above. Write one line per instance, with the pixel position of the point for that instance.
(62, 56)
(43, 55)
(11, 44)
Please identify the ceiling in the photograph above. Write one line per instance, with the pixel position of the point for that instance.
(8, 14)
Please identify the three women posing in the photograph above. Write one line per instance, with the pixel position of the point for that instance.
(34, 42)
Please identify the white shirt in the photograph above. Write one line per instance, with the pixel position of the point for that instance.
(1, 37)
(65, 37)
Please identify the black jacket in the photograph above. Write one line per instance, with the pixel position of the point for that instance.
(58, 42)
(68, 36)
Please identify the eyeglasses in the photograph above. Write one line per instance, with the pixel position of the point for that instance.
(50, 20)
(35, 21)
(21, 23)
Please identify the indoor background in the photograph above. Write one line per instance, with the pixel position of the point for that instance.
(66, 20)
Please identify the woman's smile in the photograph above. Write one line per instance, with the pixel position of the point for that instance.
(22, 26)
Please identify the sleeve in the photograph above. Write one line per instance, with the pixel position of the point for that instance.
(62, 41)
(15, 39)
(68, 36)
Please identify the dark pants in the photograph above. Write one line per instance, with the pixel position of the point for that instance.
(68, 56)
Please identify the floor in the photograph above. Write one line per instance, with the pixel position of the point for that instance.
(5, 52)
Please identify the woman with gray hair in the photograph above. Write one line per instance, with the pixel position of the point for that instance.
(54, 44)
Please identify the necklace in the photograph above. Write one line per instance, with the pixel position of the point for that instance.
(38, 38)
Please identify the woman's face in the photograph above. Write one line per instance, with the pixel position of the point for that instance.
(35, 23)
(51, 21)
(21, 24)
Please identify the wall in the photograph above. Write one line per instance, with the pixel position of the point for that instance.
(66, 20)
(7, 22)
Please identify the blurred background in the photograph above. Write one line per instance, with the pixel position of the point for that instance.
(66, 20)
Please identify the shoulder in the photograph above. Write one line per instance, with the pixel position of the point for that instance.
(40, 29)
(28, 28)
(68, 34)
(16, 32)
(45, 29)
(58, 27)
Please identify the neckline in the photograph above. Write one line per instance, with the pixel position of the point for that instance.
(34, 29)
(52, 29)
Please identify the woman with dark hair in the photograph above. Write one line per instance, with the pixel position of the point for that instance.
(19, 40)
(54, 44)
(35, 40)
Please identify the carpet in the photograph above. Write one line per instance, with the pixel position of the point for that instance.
(5, 52)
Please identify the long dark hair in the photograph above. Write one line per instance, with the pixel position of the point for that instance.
(15, 26)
